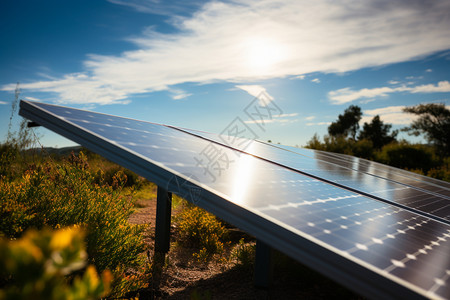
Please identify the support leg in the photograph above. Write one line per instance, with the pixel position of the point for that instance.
(162, 233)
(263, 265)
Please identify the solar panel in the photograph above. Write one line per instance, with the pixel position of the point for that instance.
(377, 248)
(407, 191)
(379, 169)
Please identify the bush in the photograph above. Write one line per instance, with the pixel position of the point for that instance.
(442, 172)
(8, 154)
(61, 195)
(201, 230)
(244, 254)
(362, 148)
(131, 179)
(49, 265)
(407, 156)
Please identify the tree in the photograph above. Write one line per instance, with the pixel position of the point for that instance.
(434, 123)
(378, 133)
(346, 124)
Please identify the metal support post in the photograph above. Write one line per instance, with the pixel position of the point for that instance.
(162, 233)
(263, 265)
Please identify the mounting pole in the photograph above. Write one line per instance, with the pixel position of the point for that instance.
(263, 265)
(162, 233)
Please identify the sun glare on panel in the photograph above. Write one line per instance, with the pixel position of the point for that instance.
(262, 54)
(242, 178)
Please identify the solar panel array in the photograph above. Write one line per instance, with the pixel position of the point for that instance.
(378, 230)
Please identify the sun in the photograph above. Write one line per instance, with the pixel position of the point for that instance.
(262, 54)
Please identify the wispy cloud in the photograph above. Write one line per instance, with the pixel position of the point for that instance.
(3, 102)
(32, 98)
(255, 39)
(178, 94)
(346, 95)
(257, 91)
(160, 7)
(318, 123)
(391, 115)
(316, 80)
(273, 120)
(441, 87)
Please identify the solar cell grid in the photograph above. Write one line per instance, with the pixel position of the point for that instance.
(378, 169)
(347, 235)
(429, 200)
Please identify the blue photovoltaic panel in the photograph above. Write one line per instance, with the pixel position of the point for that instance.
(378, 169)
(373, 247)
(429, 198)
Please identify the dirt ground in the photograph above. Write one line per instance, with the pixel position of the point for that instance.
(183, 278)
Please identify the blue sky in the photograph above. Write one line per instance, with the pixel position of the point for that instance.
(199, 65)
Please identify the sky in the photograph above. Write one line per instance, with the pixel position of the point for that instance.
(207, 65)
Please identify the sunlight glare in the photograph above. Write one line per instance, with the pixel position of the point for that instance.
(242, 178)
(262, 54)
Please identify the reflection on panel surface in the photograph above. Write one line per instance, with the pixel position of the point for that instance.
(408, 248)
(397, 186)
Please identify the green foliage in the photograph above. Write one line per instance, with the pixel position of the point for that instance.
(8, 154)
(107, 175)
(441, 172)
(434, 122)
(377, 132)
(340, 144)
(51, 195)
(346, 124)
(407, 156)
(244, 254)
(201, 230)
(363, 148)
(49, 265)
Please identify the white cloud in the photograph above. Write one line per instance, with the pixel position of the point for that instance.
(3, 102)
(301, 77)
(393, 82)
(159, 7)
(257, 91)
(286, 115)
(179, 94)
(346, 95)
(281, 118)
(32, 98)
(441, 87)
(256, 39)
(316, 80)
(391, 115)
(318, 124)
(310, 118)
(429, 70)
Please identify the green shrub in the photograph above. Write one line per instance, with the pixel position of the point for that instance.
(8, 154)
(42, 265)
(244, 254)
(407, 156)
(102, 177)
(441, 172)
(61, 195)
(362, 148)
(201, 230)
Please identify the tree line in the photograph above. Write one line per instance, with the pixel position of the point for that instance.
(377, 141)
